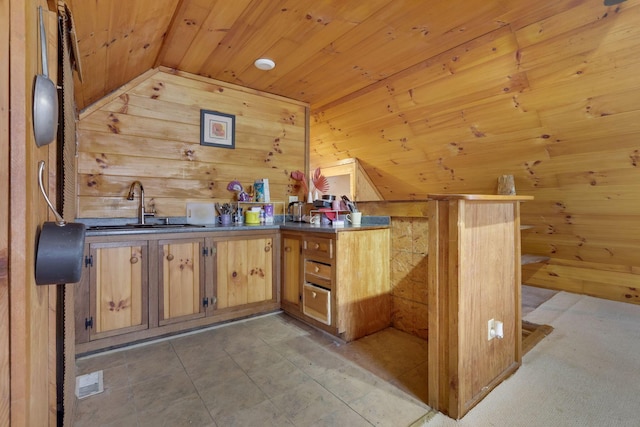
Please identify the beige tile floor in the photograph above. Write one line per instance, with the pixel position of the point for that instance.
(267, 371)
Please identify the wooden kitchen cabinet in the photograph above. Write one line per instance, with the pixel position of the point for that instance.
(142, 286)
(245, 271)
(112, 296)
(291, 272)
(343, 278)
(181, 279)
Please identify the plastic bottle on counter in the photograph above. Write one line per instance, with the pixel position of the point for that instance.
(239, 217)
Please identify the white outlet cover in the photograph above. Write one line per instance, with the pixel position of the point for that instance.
(499, 327)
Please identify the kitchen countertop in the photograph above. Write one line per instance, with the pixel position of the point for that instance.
(368, 223)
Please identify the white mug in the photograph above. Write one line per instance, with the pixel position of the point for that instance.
(355, 218)
(314, 219)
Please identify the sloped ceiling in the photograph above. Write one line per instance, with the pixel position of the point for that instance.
(324, 49)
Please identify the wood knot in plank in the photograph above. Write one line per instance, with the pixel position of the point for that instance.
(125, 103)
(102, 161)
(257, 272)
(122, 304)
(189, 154)
(113, 127)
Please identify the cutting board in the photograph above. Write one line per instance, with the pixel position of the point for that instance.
(201, 213)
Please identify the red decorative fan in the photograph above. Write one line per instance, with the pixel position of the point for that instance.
(320, 182)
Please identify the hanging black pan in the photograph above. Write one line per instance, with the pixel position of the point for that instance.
(60, 247)
(45, 98)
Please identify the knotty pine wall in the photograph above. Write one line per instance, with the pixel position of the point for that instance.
(150, 131)
(552, 97)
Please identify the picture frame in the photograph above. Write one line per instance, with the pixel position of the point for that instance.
(217, 129)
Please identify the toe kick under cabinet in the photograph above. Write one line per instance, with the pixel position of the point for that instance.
(140, 286)
(338, 282)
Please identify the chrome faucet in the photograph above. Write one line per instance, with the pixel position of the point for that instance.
(141, 213)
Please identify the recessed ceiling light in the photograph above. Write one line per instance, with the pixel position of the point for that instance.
(264, 64)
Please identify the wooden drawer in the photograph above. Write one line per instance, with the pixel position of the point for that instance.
(318, 246)
(318, 273)
(316, 303)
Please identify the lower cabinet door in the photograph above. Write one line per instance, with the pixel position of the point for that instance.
(316, 303)
(181, 291)
(244, 272)
(118, 289)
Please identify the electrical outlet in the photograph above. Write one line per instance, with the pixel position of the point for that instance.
(495, 329)
(491, 330)
(498, 326)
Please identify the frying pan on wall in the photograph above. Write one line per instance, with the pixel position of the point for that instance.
(45, 98)
(60, 247)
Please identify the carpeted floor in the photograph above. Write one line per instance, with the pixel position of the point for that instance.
(585, 373)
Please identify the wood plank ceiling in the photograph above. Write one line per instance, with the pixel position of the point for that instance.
(324, 49)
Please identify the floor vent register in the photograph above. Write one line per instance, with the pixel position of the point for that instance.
(89, 384)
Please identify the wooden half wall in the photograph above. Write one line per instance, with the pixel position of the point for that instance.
(150, 131)
(552, 97)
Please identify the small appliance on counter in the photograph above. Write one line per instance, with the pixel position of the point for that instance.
(296, 211)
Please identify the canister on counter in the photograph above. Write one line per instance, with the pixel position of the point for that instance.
(239, 218)
(268, 213)
(258, 188)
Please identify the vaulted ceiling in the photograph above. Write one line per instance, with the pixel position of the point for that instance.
(324, 49)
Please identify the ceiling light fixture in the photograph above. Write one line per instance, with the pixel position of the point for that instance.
(264, 64)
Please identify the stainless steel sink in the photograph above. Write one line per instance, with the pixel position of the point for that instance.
(139, 226)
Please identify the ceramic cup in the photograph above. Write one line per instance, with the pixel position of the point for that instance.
(315, 219)
(355, 218)
(224, 219)
(252, 217)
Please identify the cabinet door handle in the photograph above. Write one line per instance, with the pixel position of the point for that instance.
(133, 260)
(317, 246)
(170, 257)
(287, 249)
(267, 248)
(317, 269)
(313, 294)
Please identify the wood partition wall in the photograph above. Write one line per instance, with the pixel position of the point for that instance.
(28, 353)
(474, 277)
(5, 395)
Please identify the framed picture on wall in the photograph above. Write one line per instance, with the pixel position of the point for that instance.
(217, 129)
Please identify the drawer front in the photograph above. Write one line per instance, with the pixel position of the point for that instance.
(318, 246)
(316, 303)
(318, 273)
